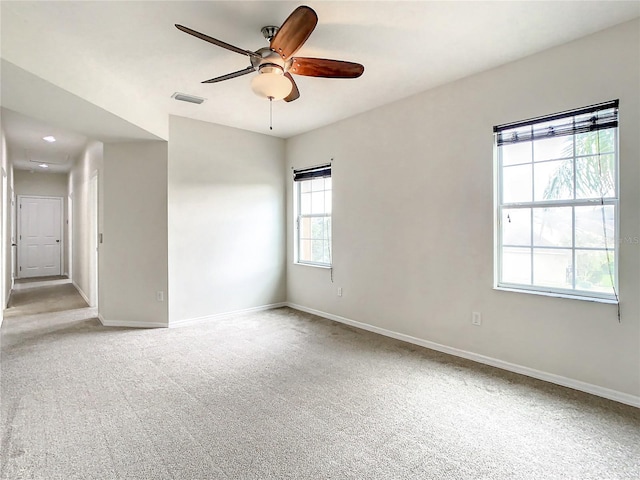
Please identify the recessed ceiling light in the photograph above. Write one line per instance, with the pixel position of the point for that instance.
(43, 165)
(49, 138)
(184, 97)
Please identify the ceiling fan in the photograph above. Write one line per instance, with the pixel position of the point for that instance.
(276, 63)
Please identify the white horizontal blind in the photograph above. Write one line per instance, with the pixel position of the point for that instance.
(588, 119)
(313, 222)
(557, 203)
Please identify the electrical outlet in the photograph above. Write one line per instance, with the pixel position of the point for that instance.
(339, 291)
(160, 296)
(476, 318)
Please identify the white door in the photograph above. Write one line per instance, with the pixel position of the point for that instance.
(40, 236)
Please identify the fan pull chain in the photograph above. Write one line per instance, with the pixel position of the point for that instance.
(270, 113)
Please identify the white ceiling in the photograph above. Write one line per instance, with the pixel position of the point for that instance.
(128, 58)
(29, 150)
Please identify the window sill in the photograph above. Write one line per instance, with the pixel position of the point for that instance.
(327, 267)
(609, 301)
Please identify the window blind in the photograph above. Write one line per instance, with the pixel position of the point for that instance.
(588, 119)
(320, 171)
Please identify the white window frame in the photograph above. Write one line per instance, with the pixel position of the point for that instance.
(298, 217)
(611, 245)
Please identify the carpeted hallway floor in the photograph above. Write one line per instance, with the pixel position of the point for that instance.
(282, 394)
(43, 295)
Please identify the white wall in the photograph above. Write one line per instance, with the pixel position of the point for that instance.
(85, 80)
(83, 265)
(5, 229)
(3, 232)
(133, 255)
(28, 182)
(226, 220)
(40, 183)
(413, 216)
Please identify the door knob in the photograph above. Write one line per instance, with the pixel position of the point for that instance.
(57, 240)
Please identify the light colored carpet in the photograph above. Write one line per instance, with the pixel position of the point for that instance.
(43, 295)
(282, 394)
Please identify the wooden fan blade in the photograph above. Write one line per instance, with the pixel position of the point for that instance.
(295, 93)
(217, 42)
(294, 31)
(230, 75)
(323, 67)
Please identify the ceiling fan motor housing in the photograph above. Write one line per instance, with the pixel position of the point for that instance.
(270, 58)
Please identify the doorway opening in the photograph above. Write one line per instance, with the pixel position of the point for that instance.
(40, 236)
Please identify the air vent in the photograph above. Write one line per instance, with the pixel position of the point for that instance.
(183, 97)
(50, 158)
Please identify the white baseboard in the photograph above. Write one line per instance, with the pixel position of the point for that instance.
(130, 324)
(81, 292)
(219, 316)
(615, 395)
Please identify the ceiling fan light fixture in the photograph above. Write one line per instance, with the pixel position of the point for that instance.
(271, 83)
(276, 63)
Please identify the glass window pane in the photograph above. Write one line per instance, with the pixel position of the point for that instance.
(516, 184)
(326, 252)
(595, 177)
(552, 227)
(516, 265)
(304, 250)
(317, 184)
(327, 202)
(595, 227)
(553, 148)
(317, 228)
(317, 202)
(595, 271)
(552, 268)
(305, 186)
(305, 203)
(318, 251)
(516, 153)
(305, 228)
(553, 180)
(559, 243)
(516, 226)
(592, 143)
(314, 236)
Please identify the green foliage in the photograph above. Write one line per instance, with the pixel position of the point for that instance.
(595, 272)
(595, 168)
(594, 178)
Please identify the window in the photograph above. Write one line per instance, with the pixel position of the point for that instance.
(313, 215)
(557, 203)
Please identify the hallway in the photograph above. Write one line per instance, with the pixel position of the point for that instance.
(43, 295)
(41, 309)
